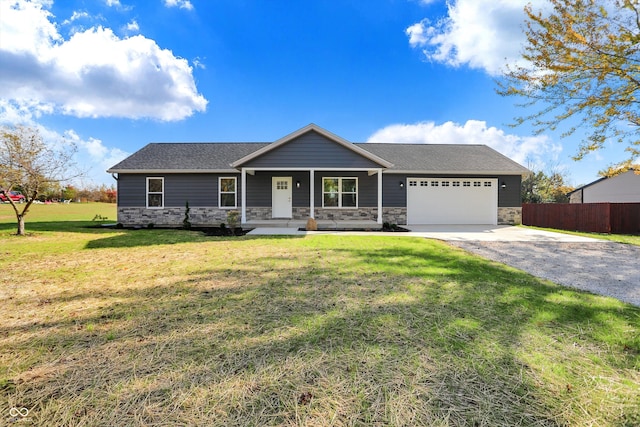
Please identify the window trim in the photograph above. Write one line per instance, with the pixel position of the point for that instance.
(161, 178)
(235, 193)
(340, 192)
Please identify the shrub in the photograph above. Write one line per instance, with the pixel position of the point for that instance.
(186, 224)
(232, 219)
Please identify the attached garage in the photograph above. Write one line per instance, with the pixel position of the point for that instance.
(452, 201)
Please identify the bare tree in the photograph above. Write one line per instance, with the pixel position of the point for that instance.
(29, 164)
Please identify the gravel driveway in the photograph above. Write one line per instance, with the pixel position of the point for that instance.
(604, 268)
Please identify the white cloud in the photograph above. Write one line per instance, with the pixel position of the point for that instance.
(133, 27)
(75, 16)
(483, 34)
(182, 4)
(94, 73)
(93, 156)
(98, 156)
(197, 62)
(518, 148)
(113, 3)
(418, 33)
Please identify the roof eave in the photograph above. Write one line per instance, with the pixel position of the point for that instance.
(171, 171)
(456, 172)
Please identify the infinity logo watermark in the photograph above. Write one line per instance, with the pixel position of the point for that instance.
(18, 412)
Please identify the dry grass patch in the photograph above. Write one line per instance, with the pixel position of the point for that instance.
(157, 327)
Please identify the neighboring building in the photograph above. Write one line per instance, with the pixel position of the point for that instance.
(623, 188)
(314, 173)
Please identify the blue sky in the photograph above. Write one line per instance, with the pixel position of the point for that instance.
(114, 75)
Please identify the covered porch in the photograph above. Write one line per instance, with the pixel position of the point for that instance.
(337, 198)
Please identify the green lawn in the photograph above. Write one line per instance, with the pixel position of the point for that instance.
(630, 239)
(168, 327)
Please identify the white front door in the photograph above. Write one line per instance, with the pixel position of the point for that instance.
(281, 205)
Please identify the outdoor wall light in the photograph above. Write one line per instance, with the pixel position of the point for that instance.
(297, 184)
(401, 184)
(503, 185)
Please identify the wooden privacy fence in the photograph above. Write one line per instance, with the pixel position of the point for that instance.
(616, 218)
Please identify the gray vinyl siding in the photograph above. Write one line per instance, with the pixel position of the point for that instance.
(311, 150)
(259, 188)
(394, 196)
(202, 189)
(510, 196)
(197, 189)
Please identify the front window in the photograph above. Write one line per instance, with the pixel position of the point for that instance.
(155, 192)
(227, 192)
(340, 192)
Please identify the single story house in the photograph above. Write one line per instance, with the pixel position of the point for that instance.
(622, 188)
(313, 173)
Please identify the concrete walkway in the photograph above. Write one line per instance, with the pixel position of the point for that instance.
(470, 233)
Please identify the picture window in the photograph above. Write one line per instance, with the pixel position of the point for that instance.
(340, 192)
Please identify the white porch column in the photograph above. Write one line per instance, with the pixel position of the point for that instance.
(312, 180)
(379, 196)
(243, 196)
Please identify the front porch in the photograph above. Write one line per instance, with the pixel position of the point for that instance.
(322, 224)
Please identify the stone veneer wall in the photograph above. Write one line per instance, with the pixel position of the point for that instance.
(171, 217)
(510, 216)
(391, 215)
(212, 216)
(395, 215)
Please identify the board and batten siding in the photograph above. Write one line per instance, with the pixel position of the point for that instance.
(311, 150)
(197, 189)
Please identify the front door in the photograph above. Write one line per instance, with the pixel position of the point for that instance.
(281, 205)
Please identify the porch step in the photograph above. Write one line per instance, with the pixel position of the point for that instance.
(322, 224)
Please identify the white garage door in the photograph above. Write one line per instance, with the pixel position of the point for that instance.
(452, 201)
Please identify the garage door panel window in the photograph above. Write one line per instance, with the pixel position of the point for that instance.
(340, 192)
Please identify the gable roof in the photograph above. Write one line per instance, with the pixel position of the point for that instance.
(214, 157)
(309, 128)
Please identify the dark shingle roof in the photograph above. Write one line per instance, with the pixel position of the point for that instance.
(175, 157)
(444, 158)
(425, 158)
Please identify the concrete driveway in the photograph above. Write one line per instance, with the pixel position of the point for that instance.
(491, 233)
